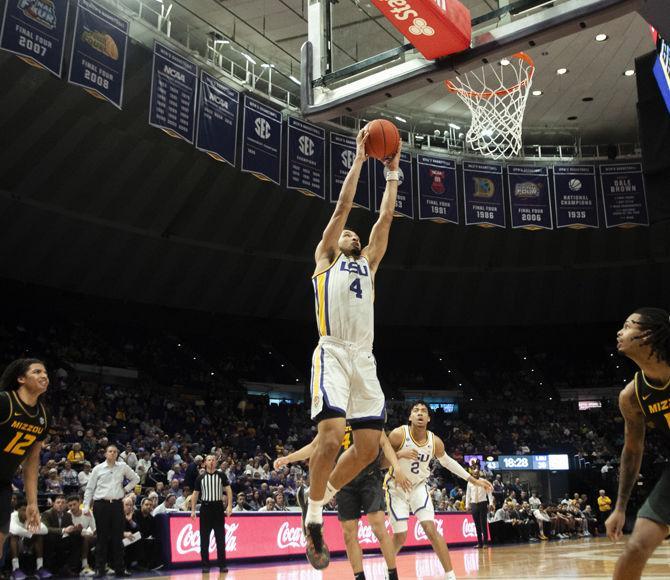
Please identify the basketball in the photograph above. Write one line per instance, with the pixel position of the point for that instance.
(383, 139)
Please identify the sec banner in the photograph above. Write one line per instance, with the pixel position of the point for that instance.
(438, 194)
(403, 204)
(34, 30)
(342, 153)
(261, 140)
(483, 194)
(217, 119)
(530, 206)
(306, 159)
(98, 59)
(624, 196)
(575, 197)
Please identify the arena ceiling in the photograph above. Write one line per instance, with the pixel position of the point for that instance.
(93, 200)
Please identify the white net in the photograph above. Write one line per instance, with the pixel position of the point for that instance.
(496, 95)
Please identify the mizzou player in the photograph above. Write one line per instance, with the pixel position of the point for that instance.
(344, 375)
(645, 339)
(363, 494)
(23, 425)
(419, 446)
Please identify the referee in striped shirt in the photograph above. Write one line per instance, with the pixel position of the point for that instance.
(210, 487)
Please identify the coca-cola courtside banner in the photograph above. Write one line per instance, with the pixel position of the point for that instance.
(277, 535)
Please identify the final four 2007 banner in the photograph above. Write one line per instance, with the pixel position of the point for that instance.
(35, 31)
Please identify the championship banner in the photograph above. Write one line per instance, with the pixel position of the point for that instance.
(306, 159)
(342, 153)
(261, 140)
(403, 204)
(34, 30)
(483, 194)
(624, 196)
(98, 58)
(575, 196)
(438, 192)
(174, 85)
(218, 108)
(252, 535)
(530, 205)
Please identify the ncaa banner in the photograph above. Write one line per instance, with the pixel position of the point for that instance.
(261, 140)
(306, 159)
(530, 205)
(34, 30)
(483, 194)
(342, 153)
(624, 196)
(403, 204)
(174, 86)
(575, 196)
(218, 108)
(98, 59)
(438, 195)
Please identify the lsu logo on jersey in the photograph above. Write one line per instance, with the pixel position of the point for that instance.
(306, 146)
(262, 128)
(354, 268)
(41, 11)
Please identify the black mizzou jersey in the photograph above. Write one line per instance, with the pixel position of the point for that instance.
(373, 468)
(655, 403)
(21, 427)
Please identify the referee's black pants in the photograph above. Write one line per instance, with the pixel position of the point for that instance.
(109, 524)
(479, 513)
(212, 517)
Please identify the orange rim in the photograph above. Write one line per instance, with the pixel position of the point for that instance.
(507, 91)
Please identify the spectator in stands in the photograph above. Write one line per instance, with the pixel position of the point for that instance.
(280, 502)
(61, 544)
(167, 506)
(84, 475)
(175, 488)
(129, 457)
(87, 525)
(256, 502)
(604, 509)
(499, 490)
(269, 506)
(76, 456)
(53, 484)
(192, 471)
(70, 478)
(147, 546)
(184, 495)
(143, 466)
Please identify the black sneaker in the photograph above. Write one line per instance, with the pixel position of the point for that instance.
(316, 549)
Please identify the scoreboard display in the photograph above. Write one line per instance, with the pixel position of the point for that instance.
(534, 462)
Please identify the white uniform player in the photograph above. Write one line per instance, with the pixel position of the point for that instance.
(344, 373)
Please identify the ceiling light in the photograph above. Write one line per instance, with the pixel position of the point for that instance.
(537, 93)
(629, 73)
(561, 71)
(436, 132)
(601, 37)
(400, 119)
(295, 80)
(504, 62)
(454, 126)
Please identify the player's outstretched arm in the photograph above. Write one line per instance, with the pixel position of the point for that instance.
(631, 458)
(379, 236)
(327, 248)
(456, 468)
(299, 455)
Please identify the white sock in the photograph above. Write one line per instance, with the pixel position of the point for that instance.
(451, 575)
(330, 493)
(15, 564)
(40, 563)
(314, 512)
(84, 562)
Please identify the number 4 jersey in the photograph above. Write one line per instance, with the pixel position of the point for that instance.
(21, 427)
(344, 294)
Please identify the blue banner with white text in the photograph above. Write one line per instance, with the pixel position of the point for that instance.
(98, 59)
(342, 154)
(624, 196)
(483, 194)
(35, 31)
(174, 87)
(306, 159)
(261, 140)
(575, 196)
(437, 189)
(530, 204)
(218, 108)
(403, 203)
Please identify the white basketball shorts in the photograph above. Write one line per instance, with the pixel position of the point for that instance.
(402, 503)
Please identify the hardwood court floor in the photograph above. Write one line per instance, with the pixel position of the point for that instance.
(587, 559)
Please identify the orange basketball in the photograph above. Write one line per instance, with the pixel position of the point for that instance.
(383, 139)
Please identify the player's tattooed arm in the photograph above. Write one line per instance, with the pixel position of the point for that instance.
(633, 448)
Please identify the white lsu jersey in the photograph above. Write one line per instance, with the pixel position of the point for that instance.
(344, 295)
(417, 470)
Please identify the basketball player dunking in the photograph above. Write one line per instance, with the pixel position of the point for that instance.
(645, 339)
(344, 381)
(425, 446)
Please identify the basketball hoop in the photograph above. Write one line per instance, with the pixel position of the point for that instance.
(496, 96)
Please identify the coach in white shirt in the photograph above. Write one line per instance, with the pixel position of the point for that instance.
(477, 500)
(104, 493)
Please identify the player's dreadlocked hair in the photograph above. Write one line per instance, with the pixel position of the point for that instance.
(655, 324)
(9, 379)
